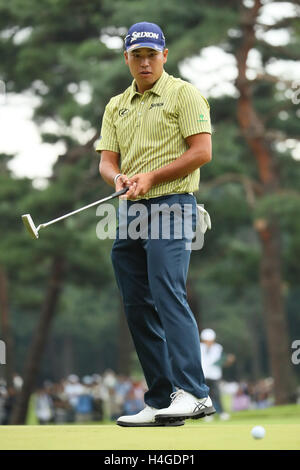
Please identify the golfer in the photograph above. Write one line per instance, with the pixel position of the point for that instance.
(154, 138)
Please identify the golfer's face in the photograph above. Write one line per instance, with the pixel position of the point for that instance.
(146, 66)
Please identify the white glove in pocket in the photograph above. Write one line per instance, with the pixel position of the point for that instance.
(203, 219)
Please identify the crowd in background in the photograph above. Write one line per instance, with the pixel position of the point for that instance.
(92, 398)
(245, 396)
(107, 396)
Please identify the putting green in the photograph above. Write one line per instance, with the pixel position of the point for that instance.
(198, 436)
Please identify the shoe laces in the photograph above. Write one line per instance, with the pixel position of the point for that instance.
(175, 396)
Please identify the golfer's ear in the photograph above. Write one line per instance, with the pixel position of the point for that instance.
(165, 53)
(126, 57)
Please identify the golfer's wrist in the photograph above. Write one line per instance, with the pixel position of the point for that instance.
(116, 178)
(153, 177)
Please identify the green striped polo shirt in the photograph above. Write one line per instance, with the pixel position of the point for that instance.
(149, 130)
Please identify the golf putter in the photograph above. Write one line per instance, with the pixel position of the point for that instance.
(34, 231)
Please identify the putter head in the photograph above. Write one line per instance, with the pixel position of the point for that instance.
(29, 224)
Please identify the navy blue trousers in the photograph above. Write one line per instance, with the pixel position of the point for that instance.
(151, 272)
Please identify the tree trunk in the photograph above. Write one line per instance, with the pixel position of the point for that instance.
(5, 328)
(68, 366)
(39, 341)
(254, 133)
(256, 367)
(274, 313)
(54, 356)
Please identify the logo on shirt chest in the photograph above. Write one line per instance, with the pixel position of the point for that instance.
(154, 105)
(123, 111)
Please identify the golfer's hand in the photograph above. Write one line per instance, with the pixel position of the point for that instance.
(141, 183)
(123, 182)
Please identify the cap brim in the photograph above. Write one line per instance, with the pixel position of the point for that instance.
(148, 45)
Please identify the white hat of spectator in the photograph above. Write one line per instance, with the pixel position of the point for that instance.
(208, 334)
(87, 380)
(18, 382)
(73, 378)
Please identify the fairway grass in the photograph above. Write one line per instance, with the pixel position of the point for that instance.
(282, 426)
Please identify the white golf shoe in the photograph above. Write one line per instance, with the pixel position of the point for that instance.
(183, 406)
(146, 417)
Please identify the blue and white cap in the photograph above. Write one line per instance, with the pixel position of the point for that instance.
(145, 35)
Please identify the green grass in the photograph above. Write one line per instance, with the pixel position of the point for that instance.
(282, 426)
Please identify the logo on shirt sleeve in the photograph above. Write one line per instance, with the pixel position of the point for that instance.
(201, 116)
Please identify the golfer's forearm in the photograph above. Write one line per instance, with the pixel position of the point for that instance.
(109, 166)
(188, 162)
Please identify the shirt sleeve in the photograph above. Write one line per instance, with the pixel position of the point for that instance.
(108, 137)
(193, 112)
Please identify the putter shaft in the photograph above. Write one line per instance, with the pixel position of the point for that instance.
(118, 193)
(33, 230)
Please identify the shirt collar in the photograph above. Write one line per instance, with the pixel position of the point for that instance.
(157, 88)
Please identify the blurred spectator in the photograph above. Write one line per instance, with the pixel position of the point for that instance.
(241, 399)
(73, 389)
(9, 401)
(213, 359)
(97, 392)
(112, 405)
(262, 393)
(122, 387)
(2, 400)
(17, 382)
(298, 395)
(44, 407)
(133, 404)
(85, 403)
(63, 410)
(109, 379)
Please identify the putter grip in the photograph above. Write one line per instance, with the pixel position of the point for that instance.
(119, 193)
